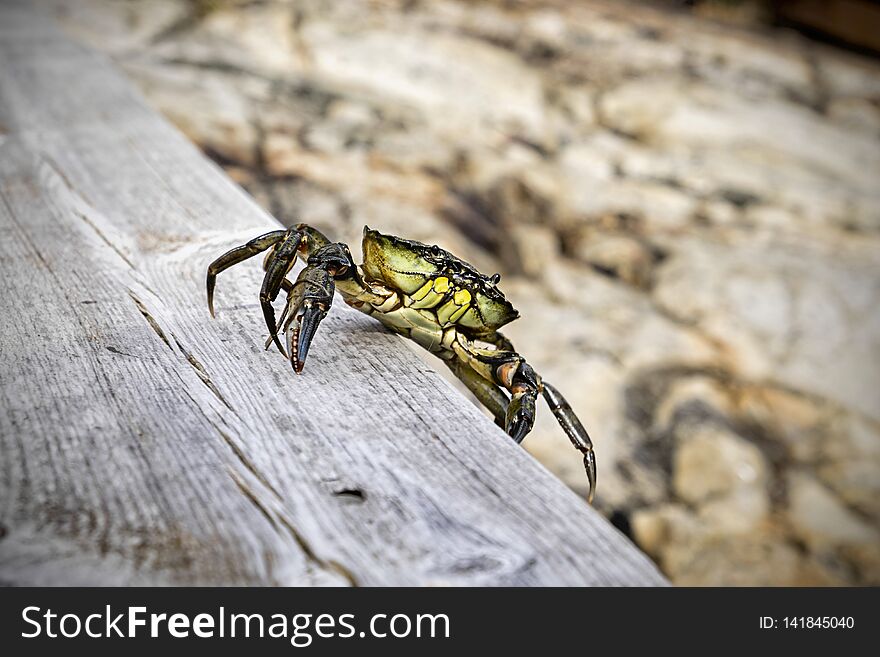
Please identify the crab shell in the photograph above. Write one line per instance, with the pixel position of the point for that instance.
(428, 274)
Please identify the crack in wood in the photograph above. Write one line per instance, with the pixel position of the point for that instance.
(332, 564)
(85, 203)
(63, 176)
(246, 462)
(150, 320)
(106, 241)
(276, 518)
(252, 498)
(201, 372)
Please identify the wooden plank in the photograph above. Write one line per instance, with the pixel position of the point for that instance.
(144, 443)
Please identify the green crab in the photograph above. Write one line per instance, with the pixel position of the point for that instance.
(419, 291)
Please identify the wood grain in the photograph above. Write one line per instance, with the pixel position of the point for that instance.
(144, 443)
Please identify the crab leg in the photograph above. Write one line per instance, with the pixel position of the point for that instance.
(524, 386)
(287, 286)
(505, 367)
(239, 254)
(280, 262)
(487, 392)
(284, 245)
(574, 430)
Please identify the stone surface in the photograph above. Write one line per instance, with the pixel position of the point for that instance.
(713, 463)
(746, 560)
(819, 518)
(686, 215)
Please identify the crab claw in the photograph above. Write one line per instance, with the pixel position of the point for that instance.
(308, 301)
(590, 467)
(269, 315)
(520, 415)
(301, 331)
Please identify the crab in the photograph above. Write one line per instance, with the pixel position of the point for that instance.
(419, 291)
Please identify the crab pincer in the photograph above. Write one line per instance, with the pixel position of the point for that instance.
(309, 299)
(307, 304)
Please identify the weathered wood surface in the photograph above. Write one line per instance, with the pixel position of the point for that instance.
(144, 443)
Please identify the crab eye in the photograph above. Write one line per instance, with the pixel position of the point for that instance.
(495, 279)
(436, 251)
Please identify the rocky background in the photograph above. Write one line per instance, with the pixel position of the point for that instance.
(686, 213)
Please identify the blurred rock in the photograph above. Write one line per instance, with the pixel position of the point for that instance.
(820, 518)
(656, 528)
(528, 249)
(217, 113)
(621, 256)
(856, 113)
(745, 560)
(782, 316)
(692, 400)
(713, 462)
(742, 510)
(857, 482)
(866, 561)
